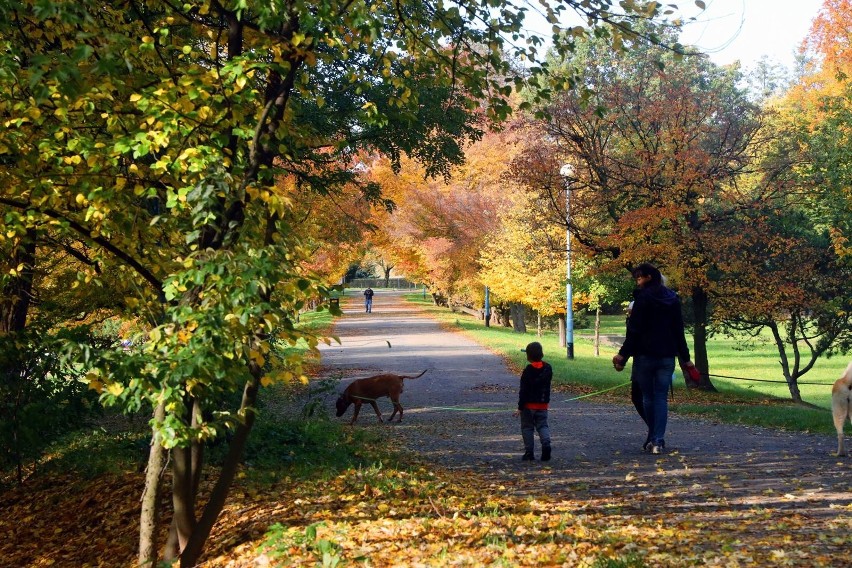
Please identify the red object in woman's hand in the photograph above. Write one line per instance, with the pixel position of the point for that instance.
(691, 375)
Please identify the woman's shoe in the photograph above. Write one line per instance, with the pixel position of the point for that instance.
(528, 456)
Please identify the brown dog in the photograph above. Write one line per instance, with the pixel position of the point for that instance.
(841, 405)
(371, 388)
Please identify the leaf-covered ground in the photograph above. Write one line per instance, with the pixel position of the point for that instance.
(383, 516)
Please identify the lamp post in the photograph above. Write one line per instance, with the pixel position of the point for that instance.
(567, 171)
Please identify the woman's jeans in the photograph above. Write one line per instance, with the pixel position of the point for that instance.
(534, 421)
(654, 376)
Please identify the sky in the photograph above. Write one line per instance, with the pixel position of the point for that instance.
(729, 30)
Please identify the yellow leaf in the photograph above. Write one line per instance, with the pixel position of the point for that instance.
(257, 357)
(115, 389)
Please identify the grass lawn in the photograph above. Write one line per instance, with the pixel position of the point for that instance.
(737, 401)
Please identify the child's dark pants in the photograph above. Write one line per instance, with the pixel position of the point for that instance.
(534, 421)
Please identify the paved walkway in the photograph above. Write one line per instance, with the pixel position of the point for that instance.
(596, 447)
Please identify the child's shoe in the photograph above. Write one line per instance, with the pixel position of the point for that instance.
(528, 456)
(545, 454)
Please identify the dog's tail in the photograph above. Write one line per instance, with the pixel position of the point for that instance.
(418, 376)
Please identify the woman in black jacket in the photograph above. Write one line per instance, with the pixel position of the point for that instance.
(655, 337)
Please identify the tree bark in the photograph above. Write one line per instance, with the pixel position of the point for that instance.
(15, 303)
(563, 335)
(790, 376)
(191, 553)
(17, 292)
(504, 315)
(598, 332)
(183, 497)
(699, 350)
(150, 514)
(518, 312)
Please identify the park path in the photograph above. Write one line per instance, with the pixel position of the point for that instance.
(709, 469)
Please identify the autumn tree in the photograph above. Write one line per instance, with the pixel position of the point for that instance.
(817, 113)
(782, 276)
(790, 268)
(333, 226)
(660, 150)
(523, 261)
(439, 226)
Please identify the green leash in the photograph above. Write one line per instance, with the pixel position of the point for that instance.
(597, 392)
(463, 409)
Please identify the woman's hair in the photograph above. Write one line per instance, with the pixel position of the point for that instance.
(648, 269)
(534, 351)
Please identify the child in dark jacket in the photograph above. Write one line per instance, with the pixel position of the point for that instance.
(533, 400)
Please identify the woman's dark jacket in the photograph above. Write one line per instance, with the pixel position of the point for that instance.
(535, 385)
(655, 326)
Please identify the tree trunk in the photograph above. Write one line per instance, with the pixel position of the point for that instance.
(790, 376)
(563, 335)
(183, 497)
(387, 271)
(17, 291)
(518, 312)
(504, 315)
(538, 324)
(150, 514)
(190, 555)
(699, 349)
(598, 332)
(15, 303)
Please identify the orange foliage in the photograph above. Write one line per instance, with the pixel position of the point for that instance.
(830, 42)
(332, 225)
(439, 226)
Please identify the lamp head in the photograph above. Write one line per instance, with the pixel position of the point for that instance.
(566, 170)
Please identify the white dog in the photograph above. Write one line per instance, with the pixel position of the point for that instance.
(841, 405)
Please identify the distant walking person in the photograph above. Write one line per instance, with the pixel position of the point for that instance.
(533, 400)
(368, 299)
(655, 336)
